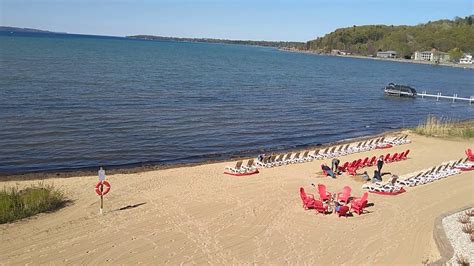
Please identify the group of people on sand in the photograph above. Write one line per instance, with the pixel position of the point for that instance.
(334, 170)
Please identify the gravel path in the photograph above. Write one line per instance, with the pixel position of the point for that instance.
(460, 241)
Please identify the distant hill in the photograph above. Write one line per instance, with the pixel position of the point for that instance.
(16, 29)
(443, 35)
(280, 44)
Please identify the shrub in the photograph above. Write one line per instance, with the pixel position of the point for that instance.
(17, 204)
(445, 127)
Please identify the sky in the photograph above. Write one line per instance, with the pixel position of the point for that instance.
(277, 20)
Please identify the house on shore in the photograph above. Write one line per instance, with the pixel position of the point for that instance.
(466, 59)
(387, 54)
(434, 56)
(340, 52)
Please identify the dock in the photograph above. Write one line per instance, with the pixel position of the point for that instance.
(438, 96)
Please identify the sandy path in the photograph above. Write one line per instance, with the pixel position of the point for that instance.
(198, 215)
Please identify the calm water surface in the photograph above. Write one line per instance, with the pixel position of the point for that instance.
(74, 102)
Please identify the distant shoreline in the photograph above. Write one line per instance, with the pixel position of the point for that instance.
(400, 60)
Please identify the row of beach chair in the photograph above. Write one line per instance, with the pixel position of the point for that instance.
(421, 178)
(306, 156)
(351, 167)
(399, 140)
(330, 152)
(239, 168)
(433, 174)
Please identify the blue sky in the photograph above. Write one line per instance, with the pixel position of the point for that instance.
(298, 20)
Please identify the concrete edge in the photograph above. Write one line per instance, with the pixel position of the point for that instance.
(442, 242)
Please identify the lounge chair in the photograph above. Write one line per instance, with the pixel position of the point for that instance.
(316, 155)
(324, 153)
(287, 158)
(345, 195)
(330, 154)
(385, 159)
(264, 161)
(237, 168)
(305, 157)
(279, 160)
(296, 158)
(271, 161)
(323, 194)
(249, 166)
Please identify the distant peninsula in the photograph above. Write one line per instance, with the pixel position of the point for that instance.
(279, 44)
(17, 29)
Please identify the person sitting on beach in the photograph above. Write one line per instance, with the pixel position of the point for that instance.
(335, 165)
(260, 157)
(365, 176)
(377, 177)
(328, 170)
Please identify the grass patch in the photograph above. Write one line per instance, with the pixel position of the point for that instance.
(445, 127)
(17, 204)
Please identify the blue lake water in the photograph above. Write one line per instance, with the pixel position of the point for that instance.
(74, 102)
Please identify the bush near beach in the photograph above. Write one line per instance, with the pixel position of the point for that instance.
(445, 127)
(16, 204)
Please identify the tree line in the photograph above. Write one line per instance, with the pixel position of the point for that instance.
(453, 36)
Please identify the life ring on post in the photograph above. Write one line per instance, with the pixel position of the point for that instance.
(106, 186)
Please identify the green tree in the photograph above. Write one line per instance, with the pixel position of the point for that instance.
(455, 54)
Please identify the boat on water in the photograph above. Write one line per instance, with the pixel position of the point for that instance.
(393, 89)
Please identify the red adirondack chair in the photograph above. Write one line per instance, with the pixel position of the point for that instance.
(392, 159)
(343, 168)
(358, 204)
(323, 194)
(386, 157)
(343, 211)
(320, 207)
(358, 163)
(400, 156)
(405, 155)
(364, 162)
(372, 161)
(345, 194)
(308, 199)
(469, 154)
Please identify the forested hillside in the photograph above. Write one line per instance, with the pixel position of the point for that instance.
(444, 35)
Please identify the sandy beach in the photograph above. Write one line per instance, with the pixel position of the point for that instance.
(198, 215)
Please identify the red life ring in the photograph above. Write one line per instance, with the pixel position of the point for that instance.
(106, 188)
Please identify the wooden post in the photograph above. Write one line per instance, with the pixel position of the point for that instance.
(101, 198)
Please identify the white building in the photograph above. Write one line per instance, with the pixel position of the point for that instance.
(423, 56)
(466, 59)
(387, 54)
(433, 56)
